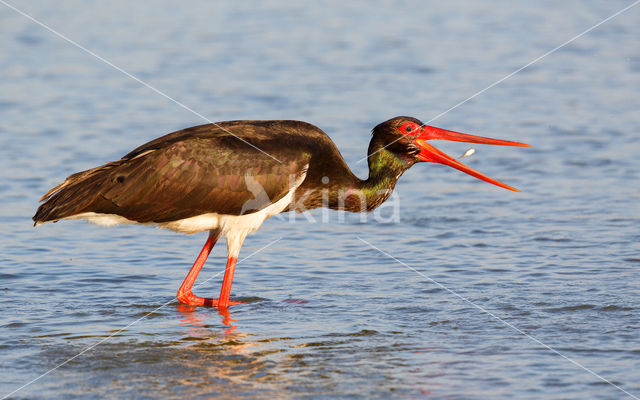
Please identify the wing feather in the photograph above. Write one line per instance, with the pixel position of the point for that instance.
(203, 169)
(189, 178)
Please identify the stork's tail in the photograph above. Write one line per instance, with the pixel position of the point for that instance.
(72, 196)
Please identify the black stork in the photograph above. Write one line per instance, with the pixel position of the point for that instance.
(229, 177)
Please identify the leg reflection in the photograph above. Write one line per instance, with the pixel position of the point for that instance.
(189, 315)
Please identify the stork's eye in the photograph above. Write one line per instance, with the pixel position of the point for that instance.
(407, 128)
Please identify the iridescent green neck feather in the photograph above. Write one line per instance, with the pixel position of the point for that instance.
(385, 167)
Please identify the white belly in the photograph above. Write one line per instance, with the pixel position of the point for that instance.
(244, 223)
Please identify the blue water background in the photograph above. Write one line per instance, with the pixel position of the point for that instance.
(461, 272)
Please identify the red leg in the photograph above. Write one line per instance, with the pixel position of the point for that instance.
(186, 296)
(225, 292)
(234, 243)
(184, 293)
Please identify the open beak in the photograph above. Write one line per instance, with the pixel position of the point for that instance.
(431, 154)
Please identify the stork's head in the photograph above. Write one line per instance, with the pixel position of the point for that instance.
(407, 138)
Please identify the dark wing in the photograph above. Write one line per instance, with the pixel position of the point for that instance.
(198, 170)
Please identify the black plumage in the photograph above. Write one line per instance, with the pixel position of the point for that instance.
(199, 170)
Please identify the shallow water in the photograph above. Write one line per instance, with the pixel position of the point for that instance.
(429, 299)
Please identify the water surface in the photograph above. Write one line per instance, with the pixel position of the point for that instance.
(429, 302)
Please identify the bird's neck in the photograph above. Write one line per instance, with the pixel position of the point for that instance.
(345, 191)
(384, 170)
(366, 195)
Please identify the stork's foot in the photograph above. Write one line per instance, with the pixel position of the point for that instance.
(191, 299)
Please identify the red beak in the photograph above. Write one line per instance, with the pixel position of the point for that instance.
(431, 154)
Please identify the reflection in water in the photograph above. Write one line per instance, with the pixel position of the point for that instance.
(202, 332)
(226, 319)
(215, 357)
(190, 316)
